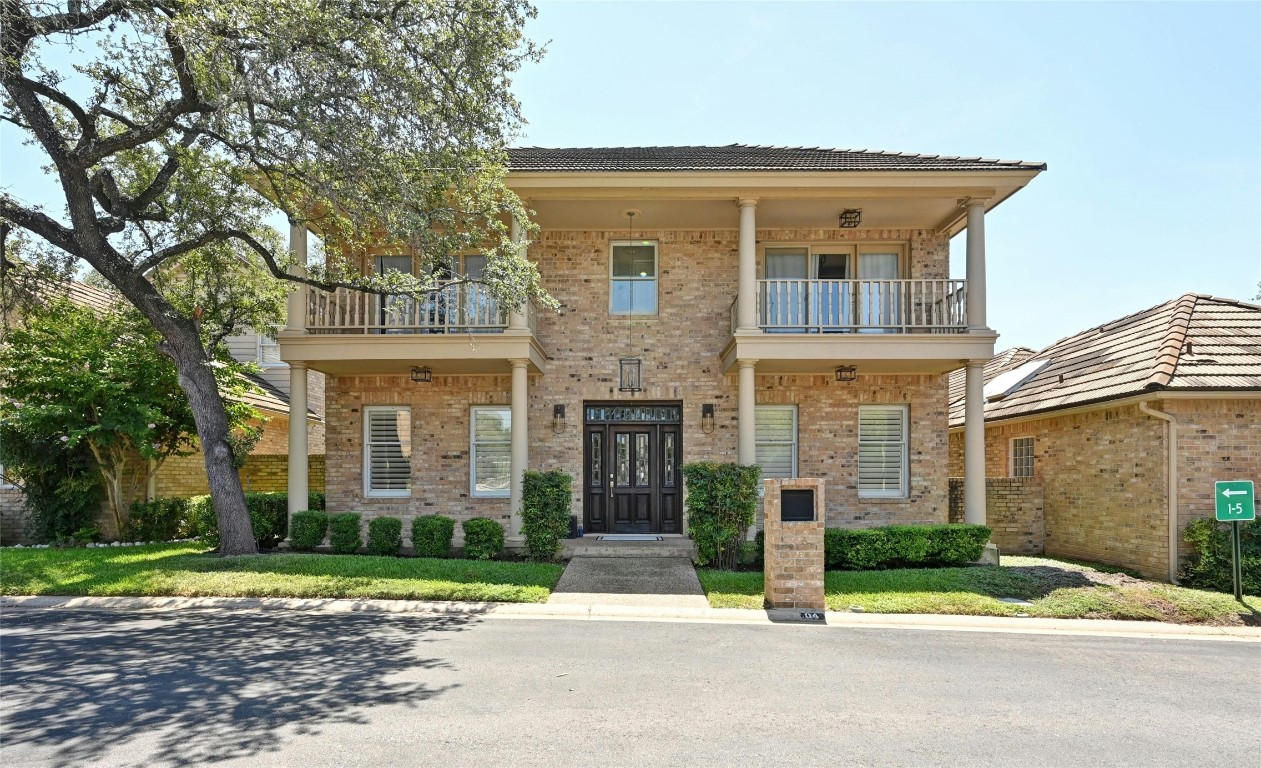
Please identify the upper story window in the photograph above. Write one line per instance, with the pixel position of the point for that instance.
(832, 288)
(633, 278)
(877, 261)
(269, 350)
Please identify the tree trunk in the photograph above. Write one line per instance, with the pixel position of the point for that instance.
(236, 535)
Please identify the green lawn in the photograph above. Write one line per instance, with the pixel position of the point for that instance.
(1057, 589)
(187, 570)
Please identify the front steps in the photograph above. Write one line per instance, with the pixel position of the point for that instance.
(591, 546)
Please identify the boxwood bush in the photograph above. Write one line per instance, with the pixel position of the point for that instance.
(1209, 565)
(903, 546)
(308, 530)
(343, 533)
(545, 501)
(385, 535)
(721, 504)
(432, 535)
(159, 520)
(483, 538)
(269, 516)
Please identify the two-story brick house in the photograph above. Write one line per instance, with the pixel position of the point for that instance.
(786, 307)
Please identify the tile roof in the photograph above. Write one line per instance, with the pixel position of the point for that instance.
(1194, 342)
(744, 157)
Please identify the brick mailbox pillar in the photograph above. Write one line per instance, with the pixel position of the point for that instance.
(793, 512)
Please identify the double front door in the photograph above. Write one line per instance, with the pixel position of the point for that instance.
(632, 480)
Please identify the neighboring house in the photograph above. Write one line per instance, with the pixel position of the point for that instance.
(787, 307)
(1107, 443)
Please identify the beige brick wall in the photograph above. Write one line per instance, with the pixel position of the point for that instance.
(12, 517)
(265, 470)
(1014, 509)
(680, 349)
(794, 551)
(1103, 473)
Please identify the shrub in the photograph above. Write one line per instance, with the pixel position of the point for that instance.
(1209, 565)
(902, 546)
(314, 500)
(385, 535)
(202, 520)
(483, 538)
(431, 535)
(308, 530)
(269, 517)
(721, 503)
(545, 502)
(343, 533)
(158, 520)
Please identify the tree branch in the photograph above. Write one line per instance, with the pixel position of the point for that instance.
(38, 223)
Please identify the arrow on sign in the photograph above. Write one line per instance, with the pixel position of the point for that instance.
(1228, 493)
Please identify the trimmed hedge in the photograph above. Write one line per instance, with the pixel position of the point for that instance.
(343, 533)
(159, 520)
(1209, 566)
(545, 502)
(385, 535)
(721, 504)
(903, 546)
(432, 535)
(308, 531)
(269, 516)
(483, 538)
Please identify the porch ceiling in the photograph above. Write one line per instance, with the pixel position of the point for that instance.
(891, 354)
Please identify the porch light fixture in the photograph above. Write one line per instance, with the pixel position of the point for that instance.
(558, 418)
(851, 217)
(630, 374)
(707, 418)
(847, 373)
(421, 374)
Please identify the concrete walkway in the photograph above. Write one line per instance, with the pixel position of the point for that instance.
(657, 582)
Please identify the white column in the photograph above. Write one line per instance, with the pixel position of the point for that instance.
(974, 445)
(297, 299)
(746, 299)
(297, 439)
(976, 265)
(520, 459)
(746, 414)
(518, 320)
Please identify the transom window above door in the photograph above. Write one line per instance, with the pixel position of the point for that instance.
(633, 277)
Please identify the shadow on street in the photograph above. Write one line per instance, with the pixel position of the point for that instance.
(197, 687)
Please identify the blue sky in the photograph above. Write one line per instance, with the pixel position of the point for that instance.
(1149, 115)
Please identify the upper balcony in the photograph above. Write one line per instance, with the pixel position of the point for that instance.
(460, 329)
(881, 326)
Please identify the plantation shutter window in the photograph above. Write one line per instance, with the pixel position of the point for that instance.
(387, 451)
(776, 435)
(491, 451)
(882, 451)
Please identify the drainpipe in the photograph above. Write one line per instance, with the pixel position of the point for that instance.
(1172, 492)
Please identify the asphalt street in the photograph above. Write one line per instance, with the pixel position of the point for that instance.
(225, 687)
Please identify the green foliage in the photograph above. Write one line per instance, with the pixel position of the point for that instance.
(269, 517)
(903, 546)
(308, 529)
(1209, 565)
(432, 535)
(385, 535)
(545, 500)
(343, 533)
(721, 504)
(159, 520)
(483, 538)
(314, 500)
(60, 491)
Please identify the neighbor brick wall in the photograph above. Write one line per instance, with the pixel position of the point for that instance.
(1103, 473)
(1013, 510)
(12, 517)
(680, 348)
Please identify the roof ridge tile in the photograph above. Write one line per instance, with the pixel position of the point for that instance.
(1170, 351)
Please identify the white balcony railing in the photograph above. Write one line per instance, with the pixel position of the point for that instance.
(465, 308)
(861, 306)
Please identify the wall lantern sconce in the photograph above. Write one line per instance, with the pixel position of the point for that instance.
(851, 217)
(421, 375)
(630, 374)
(846, 373)
(707, 418)
(558, 418)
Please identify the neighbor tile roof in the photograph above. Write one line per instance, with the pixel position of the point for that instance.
(1194, 342)
(744, 157)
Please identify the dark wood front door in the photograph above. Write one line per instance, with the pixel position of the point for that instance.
(632, 481)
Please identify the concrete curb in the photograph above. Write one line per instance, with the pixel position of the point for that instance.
(604, 612)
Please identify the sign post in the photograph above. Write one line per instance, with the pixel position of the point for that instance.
(1236, 503)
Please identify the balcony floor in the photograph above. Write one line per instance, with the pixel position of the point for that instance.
(395, 354)
(891, 353)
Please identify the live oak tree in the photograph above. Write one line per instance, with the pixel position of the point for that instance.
(174, 128)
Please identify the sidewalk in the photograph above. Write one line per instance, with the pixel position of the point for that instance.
(606, 612)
